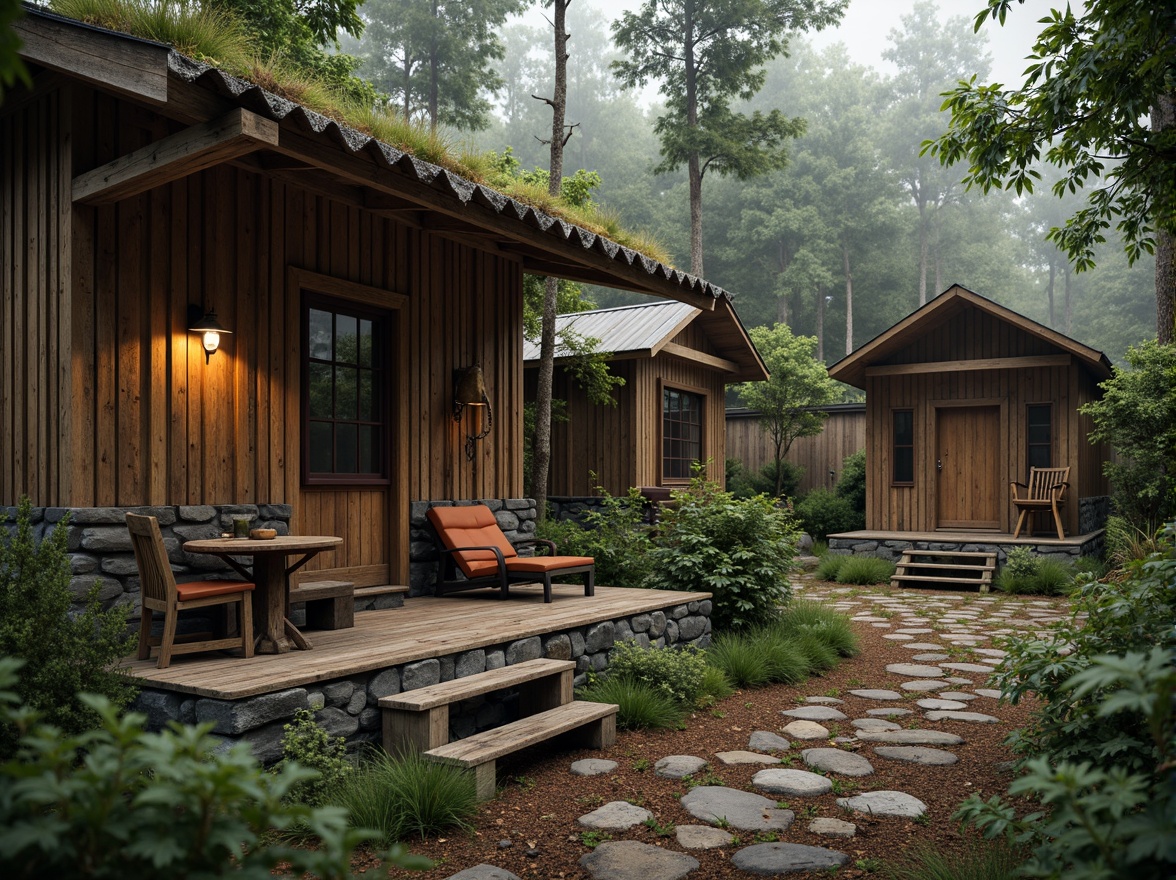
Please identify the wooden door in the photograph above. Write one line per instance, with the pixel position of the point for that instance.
(968, 467)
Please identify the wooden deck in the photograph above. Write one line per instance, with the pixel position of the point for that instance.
(425, 627)
(969, 536)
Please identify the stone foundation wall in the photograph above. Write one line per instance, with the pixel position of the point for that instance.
(892, 550)
(99, 544)
(348, 707)
(1093, 512)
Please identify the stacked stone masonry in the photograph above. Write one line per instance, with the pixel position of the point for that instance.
(348, 707)
(892, 550)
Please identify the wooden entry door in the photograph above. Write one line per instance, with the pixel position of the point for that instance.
(968, 467)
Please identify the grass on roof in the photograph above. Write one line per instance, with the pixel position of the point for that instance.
(218, 38)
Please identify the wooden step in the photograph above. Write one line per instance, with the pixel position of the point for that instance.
(990, 567)
(386, 589)
(936, 580)
(329, 604)
(968, 554)
(595, 721)
(950, 566)
(468, 686)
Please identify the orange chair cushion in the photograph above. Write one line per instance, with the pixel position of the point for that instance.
(204, 589)
(542, 564)
(471, 525)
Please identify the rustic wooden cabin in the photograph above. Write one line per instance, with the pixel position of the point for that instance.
(143, 193)
(676, 361)
(963, 397)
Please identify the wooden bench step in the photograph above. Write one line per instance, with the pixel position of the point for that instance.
(329, 604)
(308, 591)
(597, 721)
(937, 580)
(951, 567)
(385, 590)
(420, 699)
(967, 554)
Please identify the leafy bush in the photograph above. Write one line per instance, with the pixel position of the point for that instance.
(676, 672)
(1127, 543)
(616, 536)
(991, 860)
(640, 706)
(865, 570)
(64, 654)
(823, 513)
(832, 626)
(406, 795)
(1092, 566)
(1026, 573)
(829, 565)
(852, 484)
(308, 745)
(743, 483)
(740, 550)
(118, 802)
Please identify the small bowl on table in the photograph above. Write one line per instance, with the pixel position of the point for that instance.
(263, 534)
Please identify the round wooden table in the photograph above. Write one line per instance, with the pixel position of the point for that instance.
(271, 577)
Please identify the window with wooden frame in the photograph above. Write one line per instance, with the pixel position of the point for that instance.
(682, 415)
(1039, 435)
(345, 432)
(902, 454)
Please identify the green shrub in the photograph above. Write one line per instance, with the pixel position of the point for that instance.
(740, 551)
(852, 484)
(1026, 573)
(832, 626)
(990, 860)
(118, 802)
(829, 566)
(715, 686)
(818, 654)
(823, 513)
(758, 657)
(1092, 566)
(308, 745)
(640, 706)
(865, 570)
(64, 654)
(406, 795)
(616, 536)
(1127, 543)
(676, 672)
(819, 548)
(743, 483)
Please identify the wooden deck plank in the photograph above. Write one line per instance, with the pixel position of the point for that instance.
(424, 627)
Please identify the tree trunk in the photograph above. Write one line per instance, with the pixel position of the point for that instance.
(694, 164)
(924, 245)
(848, 301)
(820, 324)
(434, 70)
(1049, 290)
(1163, 117)
(1068, 306)
(541, 450)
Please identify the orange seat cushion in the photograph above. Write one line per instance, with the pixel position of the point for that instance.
(471, 525)
(553, 564)
(204, 589)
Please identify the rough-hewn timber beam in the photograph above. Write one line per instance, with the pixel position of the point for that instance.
(691, 354)
(176, 156)
(1010, 363)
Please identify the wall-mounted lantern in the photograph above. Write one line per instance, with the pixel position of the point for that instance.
(209, 328)
(469, 389)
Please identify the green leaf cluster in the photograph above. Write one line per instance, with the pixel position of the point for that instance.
(679, 673)
(616, 535)
(118, 802)
(308, 745)
(64, 653)
(739, 550)
(823, 513)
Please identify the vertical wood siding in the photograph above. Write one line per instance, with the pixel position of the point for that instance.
(843, 435)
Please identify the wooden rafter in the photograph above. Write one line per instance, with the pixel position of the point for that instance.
(1006, 363)
(176, 156)
(701, 357)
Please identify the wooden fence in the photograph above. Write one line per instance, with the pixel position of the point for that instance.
(820, 456)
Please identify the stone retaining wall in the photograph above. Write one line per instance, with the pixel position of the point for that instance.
(348, 707)
(892, 550)
(1093, 512)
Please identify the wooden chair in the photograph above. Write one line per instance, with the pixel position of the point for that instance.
(468, 537)
(161, 593)
(1046, 491)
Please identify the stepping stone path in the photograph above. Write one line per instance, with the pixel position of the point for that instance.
(593, 767)
(743, 810)
(772, 859)
(702, 837)
(483, 872)
(975, 717)
(889, 712)
(933, 703)
(766, 741)
(816, 713)
(742, 757)
(875, 724)
(626, 859)
(874, 694)
(677, 766)
(806, 730)
(915, 670)
(615, 816)
(911, 737)
(837, 761)
(794, 783)
(832, 828)
(917, 755)
(885, 803)
(925, 684)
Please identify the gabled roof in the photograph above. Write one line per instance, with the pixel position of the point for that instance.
(283, 139)
(852, 368)
(648, 329)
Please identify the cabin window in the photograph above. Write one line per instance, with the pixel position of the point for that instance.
(1039, 432)
(344, 425)
(681, 432)
(903, 456)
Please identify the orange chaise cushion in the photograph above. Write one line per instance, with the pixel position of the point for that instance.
(471, 525)
(203, 589)
(540, 564)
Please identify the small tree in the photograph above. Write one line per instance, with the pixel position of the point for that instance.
(797, 383)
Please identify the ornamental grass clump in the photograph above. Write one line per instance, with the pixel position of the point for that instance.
(864, 570)
(1026, 573)
(830, 565)
(640, 706)
(832, 626)
(739, 550)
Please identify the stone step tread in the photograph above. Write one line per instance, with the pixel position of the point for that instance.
(386, 589)
(493, 744)
(422, 699)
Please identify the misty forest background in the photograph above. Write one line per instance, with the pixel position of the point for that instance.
(855, 203)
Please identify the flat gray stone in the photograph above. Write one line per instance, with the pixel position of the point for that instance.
(877, 694)
(824, 701)
(916, 755)
(766, 741)
(593, 767)
(888, 712)
(910, 737)
(615, 816)
(677, 766)
(931, 657)
(968, 667)
(483, 872)
(742, 810)
(806, 730)
(959, 696)
(925, 684)
(741, 757)
(914, 670)
(772, 859)
(992, 693)
(816, 713)
(974, 717)
(898, 637)
(832, 828)
(922, 646)
(702, 837)
(885, 803)
(874, 724)
(934, 703)
(795, 783)
(628, 859)
(837, 761)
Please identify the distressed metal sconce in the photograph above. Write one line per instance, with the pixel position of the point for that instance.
(469, 389)
(206, 324)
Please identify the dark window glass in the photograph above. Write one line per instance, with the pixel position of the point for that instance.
(903, 456)
(344, 382)
(681, 433)
(1040, 435)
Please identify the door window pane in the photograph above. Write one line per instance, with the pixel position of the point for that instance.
(903, 454)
